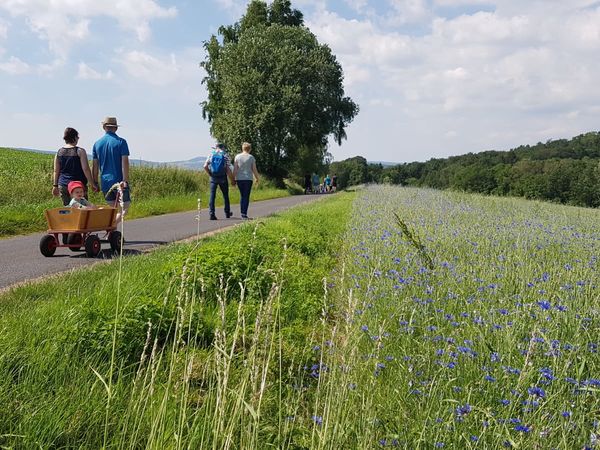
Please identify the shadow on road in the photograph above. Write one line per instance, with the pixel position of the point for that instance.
(146, 242)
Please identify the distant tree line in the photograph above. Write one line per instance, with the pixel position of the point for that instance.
(564, 171)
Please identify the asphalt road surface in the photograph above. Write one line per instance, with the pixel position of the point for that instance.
(21, 260)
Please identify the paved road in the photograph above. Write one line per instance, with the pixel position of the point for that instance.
(21, 260)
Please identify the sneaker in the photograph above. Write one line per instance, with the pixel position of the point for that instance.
(228, 215)
(245, 217)
(213, 217)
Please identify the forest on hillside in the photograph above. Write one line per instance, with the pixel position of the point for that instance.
(563, 171)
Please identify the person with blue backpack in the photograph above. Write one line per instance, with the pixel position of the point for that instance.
(218, 167)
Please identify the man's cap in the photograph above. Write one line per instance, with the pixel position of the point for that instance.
(110, 121)
(74, 185)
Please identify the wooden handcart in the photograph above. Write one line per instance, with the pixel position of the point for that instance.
(78, 228)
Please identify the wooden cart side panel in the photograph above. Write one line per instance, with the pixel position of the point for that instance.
(80, 220)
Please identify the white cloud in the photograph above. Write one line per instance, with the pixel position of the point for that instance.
(458, 3)
(14, 66)
(525, 68)
(85, 72)
(3, 29)
(150, 69)
(409, 11)
(65, 22)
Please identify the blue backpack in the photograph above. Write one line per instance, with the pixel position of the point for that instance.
(217, 164)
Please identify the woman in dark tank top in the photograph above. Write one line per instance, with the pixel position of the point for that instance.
(70, 164)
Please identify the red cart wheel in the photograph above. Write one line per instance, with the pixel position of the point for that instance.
(48, 245)
(92, 246)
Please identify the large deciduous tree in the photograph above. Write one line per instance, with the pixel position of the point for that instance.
(271, 83)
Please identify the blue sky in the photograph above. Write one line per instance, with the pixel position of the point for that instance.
(433, 78)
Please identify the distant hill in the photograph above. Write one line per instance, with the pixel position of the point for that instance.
(190, 164)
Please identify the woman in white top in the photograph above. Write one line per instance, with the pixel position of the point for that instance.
(244, 168)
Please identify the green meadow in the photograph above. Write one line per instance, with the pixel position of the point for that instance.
(26, 191)
(384, 318)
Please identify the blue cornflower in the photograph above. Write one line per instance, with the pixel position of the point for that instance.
(512, 370)
(494, 357)
(490, 378)
(439, 444)
(505, 402)
(544, 304)
(318, 420)
(566, 414)
(364, 328)
(537, 391)
(463, 410)
(523, 428)
(474, 438)
(547, 374)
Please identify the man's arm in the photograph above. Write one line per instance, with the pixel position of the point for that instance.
(229, 172)
(125, 166)
(95, 171)
(206, 163)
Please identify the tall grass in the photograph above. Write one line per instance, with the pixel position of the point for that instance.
(201, 353)
(496, 346)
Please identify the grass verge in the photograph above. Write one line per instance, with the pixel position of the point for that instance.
(196, 345)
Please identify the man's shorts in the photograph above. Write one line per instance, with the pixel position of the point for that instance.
(111, 196)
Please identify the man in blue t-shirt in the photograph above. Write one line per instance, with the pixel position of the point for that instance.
(111, 157)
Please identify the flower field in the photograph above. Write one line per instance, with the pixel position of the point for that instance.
(464, 322)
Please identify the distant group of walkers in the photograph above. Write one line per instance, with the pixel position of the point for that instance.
(314, 185)
(110, 166)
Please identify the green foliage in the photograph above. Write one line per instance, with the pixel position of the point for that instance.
(271, 83)
(351, 171)
(564, 171)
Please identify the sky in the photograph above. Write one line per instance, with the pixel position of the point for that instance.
(433, 78)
